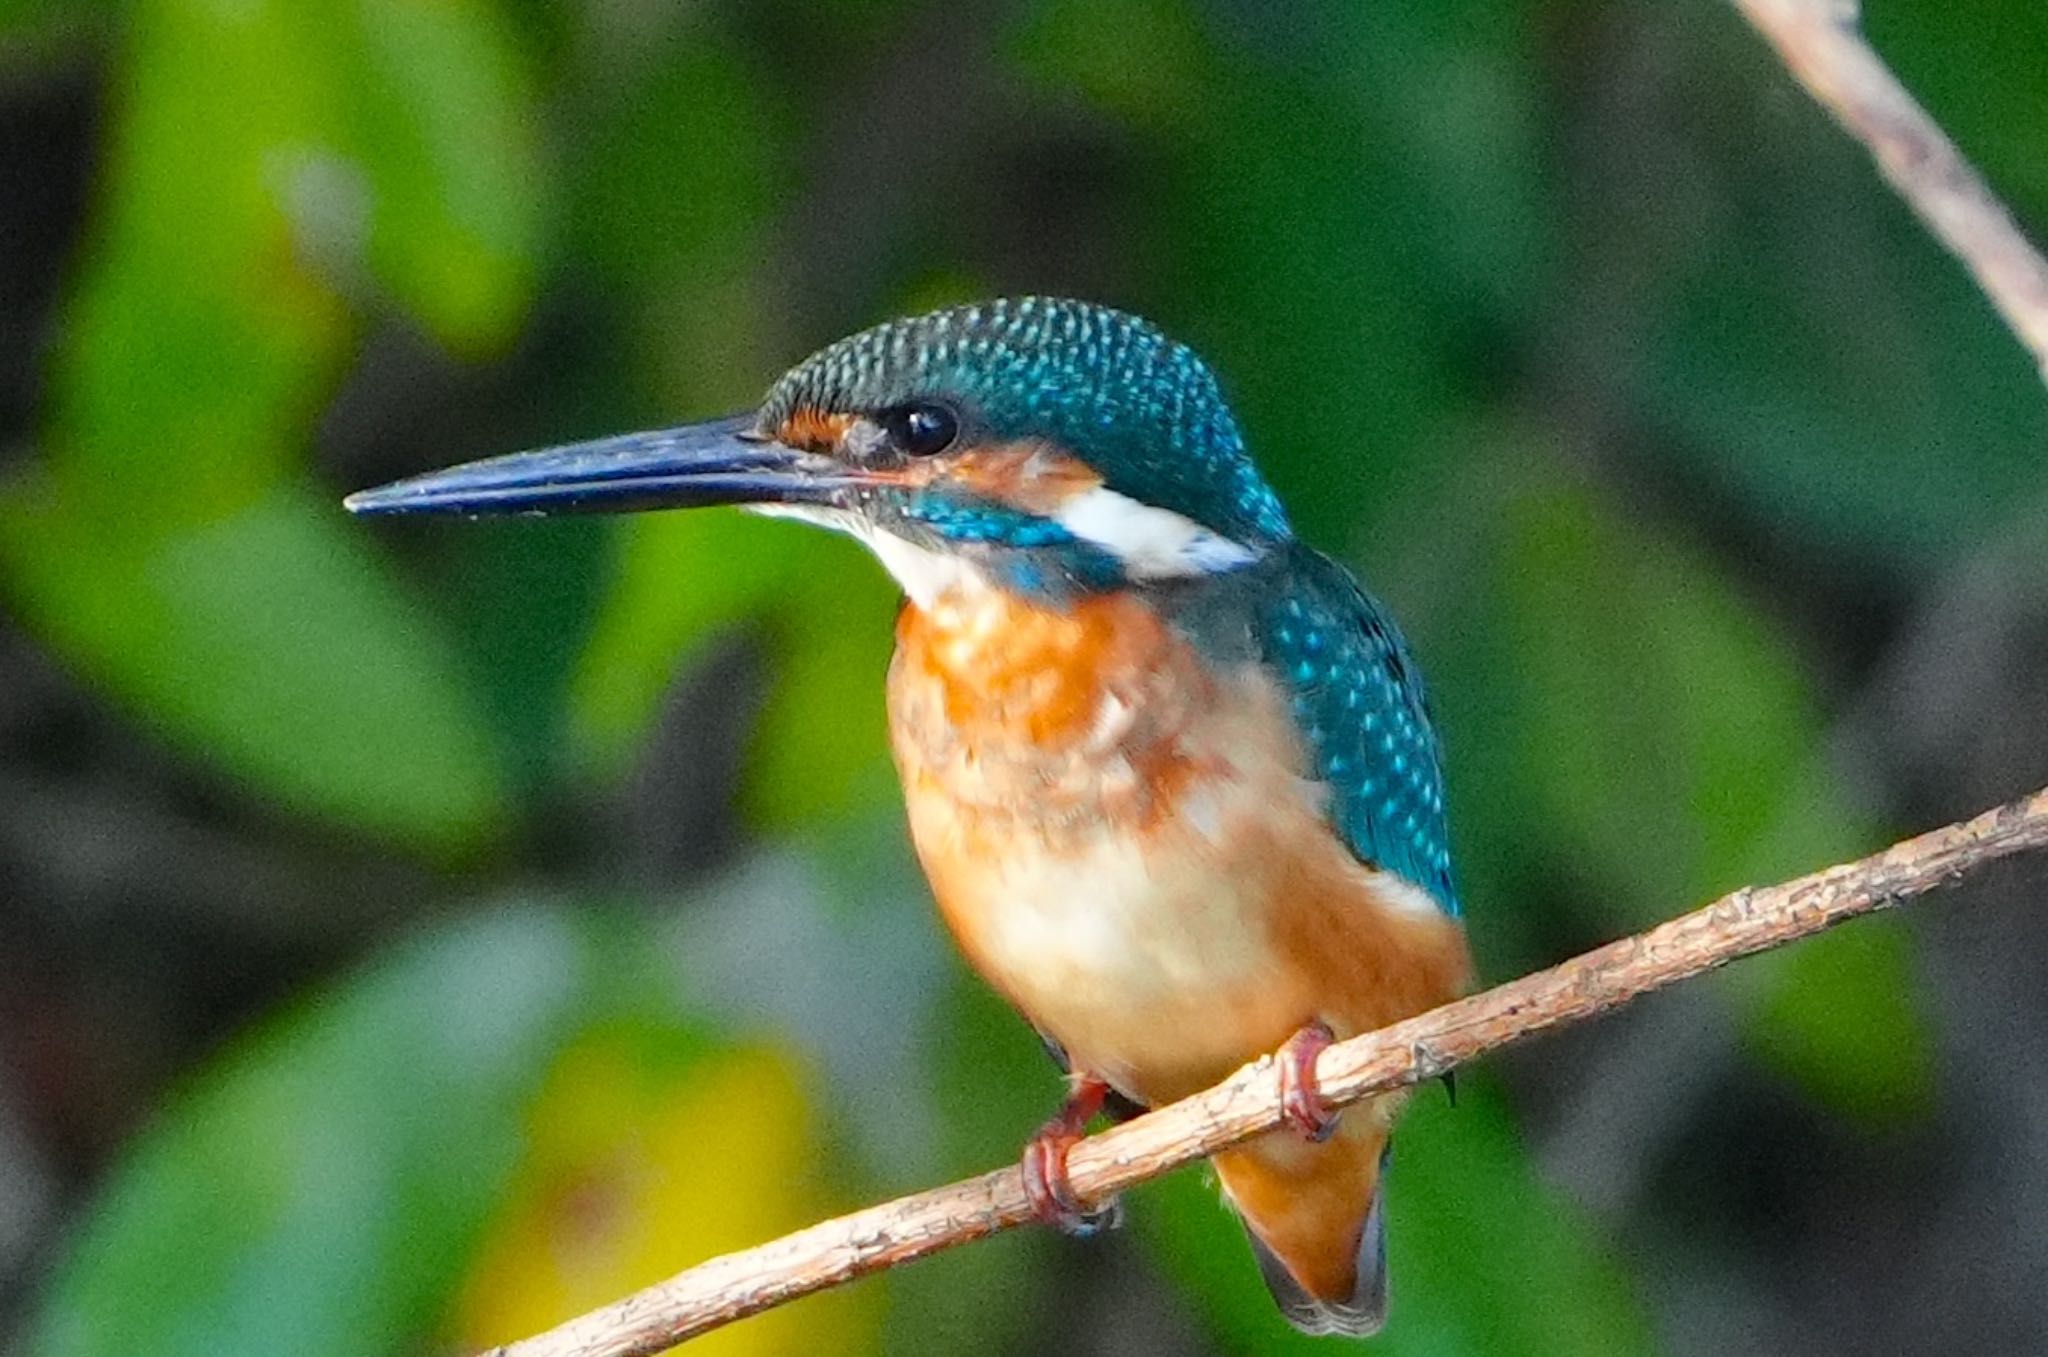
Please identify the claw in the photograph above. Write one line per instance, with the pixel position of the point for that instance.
(1052, 1195)
(1300, 1097)
(1045, 1166)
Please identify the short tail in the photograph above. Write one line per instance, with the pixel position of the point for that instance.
(1317, 1221)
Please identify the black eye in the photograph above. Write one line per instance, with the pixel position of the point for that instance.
(921, 430)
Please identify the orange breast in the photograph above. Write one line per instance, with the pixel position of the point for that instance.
(1123, 841)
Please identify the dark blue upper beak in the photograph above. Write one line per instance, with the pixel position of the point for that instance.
(725, 461)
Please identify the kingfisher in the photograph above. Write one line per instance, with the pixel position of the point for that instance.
(1170, 772)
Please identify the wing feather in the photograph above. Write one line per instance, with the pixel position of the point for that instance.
(1359, 700)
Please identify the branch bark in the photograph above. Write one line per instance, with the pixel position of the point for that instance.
(1745, 922)
(1821, 43)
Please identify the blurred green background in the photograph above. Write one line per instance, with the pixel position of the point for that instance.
(413, 934)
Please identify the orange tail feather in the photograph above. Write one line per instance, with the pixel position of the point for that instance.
(1314, 1216)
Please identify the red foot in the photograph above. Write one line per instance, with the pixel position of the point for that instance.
(1300, 1097)
(1045, 1163)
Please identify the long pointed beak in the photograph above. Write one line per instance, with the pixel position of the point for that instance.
(722, 462)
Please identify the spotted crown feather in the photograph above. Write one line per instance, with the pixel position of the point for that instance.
(1143, 411)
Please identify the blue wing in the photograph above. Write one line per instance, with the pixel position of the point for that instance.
(1358, 699)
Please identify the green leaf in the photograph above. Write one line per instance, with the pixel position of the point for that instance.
(682, 156)
(1978, 71)
(1668, 750)
(1484, 1259)
(1343, 194)
(264, 160)
(33, 31)
(318, 1190)
(1280, 237)
(273, 641)
(505, 1120)
(688, 266)
(518, 597)
(822, 744)
(993, 1085)
(1895, 446)
(1144, 60)
(702, 127)
(1810, 356)
(439, 114)
(1826, 1017)
(1663, 727)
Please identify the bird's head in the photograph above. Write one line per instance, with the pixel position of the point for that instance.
(1049, 447)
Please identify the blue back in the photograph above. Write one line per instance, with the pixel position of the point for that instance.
(1358, 699)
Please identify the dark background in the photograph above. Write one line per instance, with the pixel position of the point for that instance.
(413, 934)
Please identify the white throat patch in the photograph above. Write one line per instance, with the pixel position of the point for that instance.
(923, 575)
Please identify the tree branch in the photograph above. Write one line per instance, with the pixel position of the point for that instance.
(1737, 925)
(1822, 44)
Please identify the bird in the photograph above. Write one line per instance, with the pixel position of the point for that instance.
(1170, 772)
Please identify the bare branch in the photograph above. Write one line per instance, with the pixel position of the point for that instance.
(1822, 44)
(1748, 921)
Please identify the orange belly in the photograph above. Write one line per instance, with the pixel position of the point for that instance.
(1124, 843)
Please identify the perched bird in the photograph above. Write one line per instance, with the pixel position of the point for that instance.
(1171, 773)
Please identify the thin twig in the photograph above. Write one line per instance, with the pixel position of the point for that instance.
(1822, 44)
(1748, 921)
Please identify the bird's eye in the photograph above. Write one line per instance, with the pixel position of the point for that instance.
(922, 430)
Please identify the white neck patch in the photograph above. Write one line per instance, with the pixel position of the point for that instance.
(1150, 543)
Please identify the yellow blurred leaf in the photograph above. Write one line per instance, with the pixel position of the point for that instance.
(647, 1156)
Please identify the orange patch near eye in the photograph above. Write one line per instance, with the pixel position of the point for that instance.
(814, 430)
(1034, 476)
